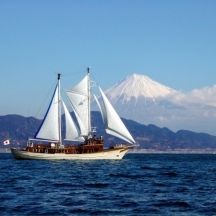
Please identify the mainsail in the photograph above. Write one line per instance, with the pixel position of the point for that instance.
(49, 129)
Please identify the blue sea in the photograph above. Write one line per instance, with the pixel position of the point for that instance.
(140, 184)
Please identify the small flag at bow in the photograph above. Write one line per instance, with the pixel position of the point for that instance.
(6, 142)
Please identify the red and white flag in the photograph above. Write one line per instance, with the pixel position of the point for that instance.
(6, 142)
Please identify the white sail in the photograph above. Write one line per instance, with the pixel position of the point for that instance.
(101, 109)
(113, 123)
(79, 98)
(72, 132)
(49, 128)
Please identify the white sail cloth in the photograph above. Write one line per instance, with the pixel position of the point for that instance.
(112, 121)
(49, 128)
(71, 130)
(79, 98)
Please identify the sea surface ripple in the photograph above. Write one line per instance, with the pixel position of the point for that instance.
(140, 184)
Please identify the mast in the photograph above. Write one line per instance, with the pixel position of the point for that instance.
(89, 102)
(59, 110)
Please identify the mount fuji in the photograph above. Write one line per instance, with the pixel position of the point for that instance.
(137, 86)
(146, 101)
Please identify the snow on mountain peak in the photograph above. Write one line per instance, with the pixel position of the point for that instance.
(137, 85)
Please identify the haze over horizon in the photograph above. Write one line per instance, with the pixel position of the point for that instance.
(172, 42)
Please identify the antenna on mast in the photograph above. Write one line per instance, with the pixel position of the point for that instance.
(59, 76)
(88, 70)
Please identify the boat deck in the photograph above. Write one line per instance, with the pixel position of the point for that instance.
(90, 146)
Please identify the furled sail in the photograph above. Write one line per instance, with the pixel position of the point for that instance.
(72, 131)
(79, 98)
(49, 128)
(113, 123)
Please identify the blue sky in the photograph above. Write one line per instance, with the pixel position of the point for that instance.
(173, 42)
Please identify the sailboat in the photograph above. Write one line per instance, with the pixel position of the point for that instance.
(48, 142)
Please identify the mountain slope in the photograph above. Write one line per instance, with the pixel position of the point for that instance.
(19, 128)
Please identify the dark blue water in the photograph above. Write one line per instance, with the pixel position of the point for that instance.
(140, 184)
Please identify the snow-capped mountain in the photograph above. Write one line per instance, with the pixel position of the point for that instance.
(136, 86)
(142, 99)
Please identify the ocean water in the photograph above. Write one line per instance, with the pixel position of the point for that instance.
(140, 184)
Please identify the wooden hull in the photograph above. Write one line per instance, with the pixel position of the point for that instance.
(109, 154)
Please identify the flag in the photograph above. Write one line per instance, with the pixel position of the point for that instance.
(6, 142)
